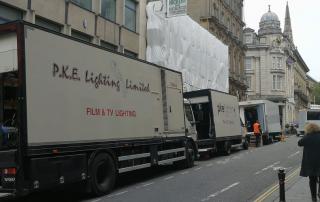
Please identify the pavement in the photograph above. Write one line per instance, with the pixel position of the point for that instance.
(297, 190)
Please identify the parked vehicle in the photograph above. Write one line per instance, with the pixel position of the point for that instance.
(267, 113)
(74, 112)
(216, 119)
(308, 116)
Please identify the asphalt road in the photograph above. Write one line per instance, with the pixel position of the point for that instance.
(240, 177)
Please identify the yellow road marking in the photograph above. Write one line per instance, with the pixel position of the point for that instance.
(275, 187)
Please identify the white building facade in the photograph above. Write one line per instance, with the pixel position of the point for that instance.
(270, 64)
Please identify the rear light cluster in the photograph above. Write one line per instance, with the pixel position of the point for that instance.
(9, 171)
(8, 178)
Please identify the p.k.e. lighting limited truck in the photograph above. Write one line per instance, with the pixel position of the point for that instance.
(74, 112)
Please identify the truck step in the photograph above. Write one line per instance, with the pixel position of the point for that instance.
(236, 145)
(205, 150)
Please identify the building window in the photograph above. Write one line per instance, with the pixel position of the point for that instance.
(247, 62)
(248, 38)
(130, 54)
(108, 9)
(233, 28)
(215, 10)
(8, 14)
(130, 15)
(228, 24)
(279, 62)
(48, 24)
(109, 46)
(87, 4)
(263, 40)
(222, 17)
(81, 36)
(273, 62)
(248, 80)
(277, 82)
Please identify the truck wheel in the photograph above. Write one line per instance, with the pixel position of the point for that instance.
(245, 145)
(190, 157)
(103, 174)
(227, 148)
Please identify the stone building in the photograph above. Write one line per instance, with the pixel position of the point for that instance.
(224, 19)
(301, 93)
(274, 67)
(310, 85)
(119, 25)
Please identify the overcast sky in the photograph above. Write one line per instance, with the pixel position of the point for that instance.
(305, 22)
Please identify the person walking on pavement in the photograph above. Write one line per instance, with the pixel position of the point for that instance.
(257, 132)
(310, 165)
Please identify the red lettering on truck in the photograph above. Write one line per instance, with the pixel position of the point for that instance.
(107, 112)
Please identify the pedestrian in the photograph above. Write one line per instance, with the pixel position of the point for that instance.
(310, 166)
(257, 132)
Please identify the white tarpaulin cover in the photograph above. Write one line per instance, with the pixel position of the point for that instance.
(181, 44)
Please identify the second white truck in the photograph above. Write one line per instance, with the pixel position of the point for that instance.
(217, 120)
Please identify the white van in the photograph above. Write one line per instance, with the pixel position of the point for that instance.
(308, 116)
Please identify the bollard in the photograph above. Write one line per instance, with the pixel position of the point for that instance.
(282, 177)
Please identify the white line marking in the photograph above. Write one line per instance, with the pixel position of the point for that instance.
(257, 173)
(224, 161)
(186, 172)
(197, 169)
(120, 193)
(237, 157)
(210, 164)
(294, 154)
(272, 166)
(168, 178)
(221, 191)
(148, 184)
(117, 194)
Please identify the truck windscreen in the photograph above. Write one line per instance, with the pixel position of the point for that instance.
(315, 116)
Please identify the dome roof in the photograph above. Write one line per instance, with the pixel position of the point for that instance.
(269, 16)
(269, 23)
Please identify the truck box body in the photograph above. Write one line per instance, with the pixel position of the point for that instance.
(265, 111)
(308, 116)
(67, 101)
(216, 116)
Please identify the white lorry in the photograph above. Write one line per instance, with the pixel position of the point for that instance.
(308, 116)
(217, 120)
(74, 112)
(267, 113)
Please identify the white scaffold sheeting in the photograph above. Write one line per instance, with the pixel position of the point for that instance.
(181, 44)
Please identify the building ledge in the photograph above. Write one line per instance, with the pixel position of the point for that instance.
(281, 71)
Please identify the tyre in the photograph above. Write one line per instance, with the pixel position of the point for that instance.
(227, 148)
(103, 174)
(270, 140)
(245, 145)
(190, 157)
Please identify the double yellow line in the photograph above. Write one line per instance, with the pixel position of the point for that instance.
(275, 187)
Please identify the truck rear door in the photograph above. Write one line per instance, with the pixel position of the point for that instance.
(9, 113)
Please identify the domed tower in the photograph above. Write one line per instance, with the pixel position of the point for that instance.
(269, 24)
